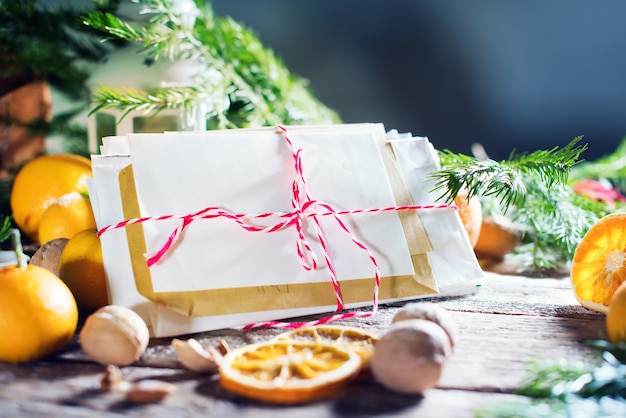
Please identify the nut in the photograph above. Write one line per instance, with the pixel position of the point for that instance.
(114, 335)
(410, 356)
(48, 255)
(149, 391)
(112, 379)
(430, 312)
(194, 357)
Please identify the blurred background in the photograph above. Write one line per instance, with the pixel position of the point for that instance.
(521, 75)
(510, 75)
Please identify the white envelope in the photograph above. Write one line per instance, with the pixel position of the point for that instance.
(453, 259)
(220, 275)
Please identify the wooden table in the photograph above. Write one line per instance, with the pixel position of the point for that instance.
(507, 323)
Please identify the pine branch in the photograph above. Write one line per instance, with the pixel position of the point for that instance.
(486, 178)
(562, 379)
(154, 100)
(506, 180)
(253, 88)
(120, 29)
(557, 408)
(565, 388)
(555, 219)
(49, 43)
(533, 189)
(161, 40)
(5, 227)
(555, 379)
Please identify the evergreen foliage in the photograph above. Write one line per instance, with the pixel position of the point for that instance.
(571, 389)
(534, 191)
(241, 84)
(45, 43)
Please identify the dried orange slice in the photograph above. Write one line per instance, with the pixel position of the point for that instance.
(286, 371)
(354, 339)
(598, 267)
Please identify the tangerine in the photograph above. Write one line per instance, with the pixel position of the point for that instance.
(65, 217)
(81, 267)
(38, 314)
(41, 181)
(471, 214)
(498, 237)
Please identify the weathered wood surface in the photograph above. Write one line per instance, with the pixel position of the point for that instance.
(509, 322)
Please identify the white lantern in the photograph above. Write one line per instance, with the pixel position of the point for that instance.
(126, 69)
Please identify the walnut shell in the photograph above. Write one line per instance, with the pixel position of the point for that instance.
(410, 356)
(48, 255)
(430, 312)
(114, 335)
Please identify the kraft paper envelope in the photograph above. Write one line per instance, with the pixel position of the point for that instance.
(220, 275)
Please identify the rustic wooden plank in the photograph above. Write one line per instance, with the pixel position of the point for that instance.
(517, 295)
(494, 352)
(507, 323)
(358, 401)
(201, 395)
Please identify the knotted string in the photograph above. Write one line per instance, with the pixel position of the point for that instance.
(303, 207)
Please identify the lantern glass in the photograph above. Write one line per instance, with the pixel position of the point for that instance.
(126, 69)
(156, 123)
(116, 123)
(105, 126)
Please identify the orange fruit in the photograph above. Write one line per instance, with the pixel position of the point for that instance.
(38, 314)
(81, 267)
(598, 267)
(497, 238)
(41, 181)
(353, 339)
(65, 217)
(288, 372)
(471, 214)
(616, 316)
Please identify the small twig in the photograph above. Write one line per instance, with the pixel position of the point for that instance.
(22, 259)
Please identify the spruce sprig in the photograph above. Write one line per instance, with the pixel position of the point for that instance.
(533, 190)
(153, 100)
(566, 388)
(42, 42)
(555, 220)
(505, 180)
(5, 227)
(243, 84)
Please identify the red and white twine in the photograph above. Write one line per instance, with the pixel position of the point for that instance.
(303, 207)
